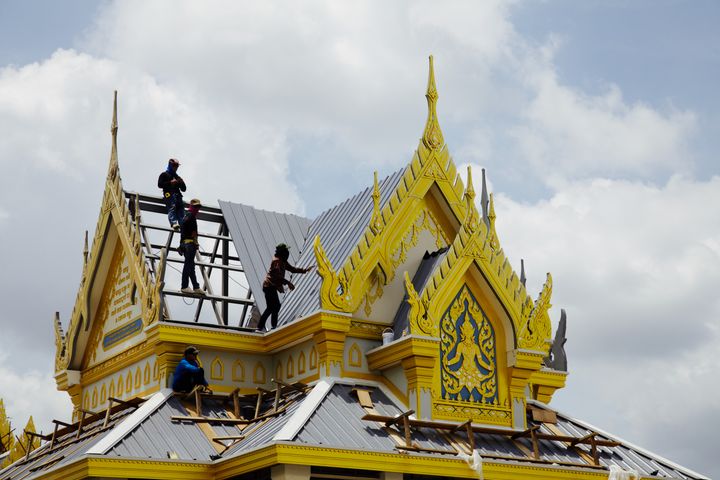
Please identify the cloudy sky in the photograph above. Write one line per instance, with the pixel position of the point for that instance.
(597, 122)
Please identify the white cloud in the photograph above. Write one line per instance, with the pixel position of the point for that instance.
(259, 99)
(636, 267)
(568, 133)
(32, 393)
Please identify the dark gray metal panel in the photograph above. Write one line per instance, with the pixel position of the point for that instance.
(157, 435)
(264, 432)
(425, 270)
(340, 229)
(255, 234)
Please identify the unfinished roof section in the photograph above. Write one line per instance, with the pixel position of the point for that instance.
(255, 234)
(340, 229)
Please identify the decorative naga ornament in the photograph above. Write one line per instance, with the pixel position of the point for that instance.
(537, 331)
(471, 218)
(417, 318)
(334, 289)
(468, 366)
(376, 222)
(432, 136)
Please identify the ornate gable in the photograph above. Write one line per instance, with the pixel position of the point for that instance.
(117, 296)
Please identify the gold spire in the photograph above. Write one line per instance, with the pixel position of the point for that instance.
(432, 136)
(471, 220)
(113, 168)
(376, 219)
(86, 251)
(494, 242)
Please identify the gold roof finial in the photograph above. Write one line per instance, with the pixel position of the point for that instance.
(376, 219)
(494, 242)
(432, 136)
(471, 220)
(86, 251)
(113, 168)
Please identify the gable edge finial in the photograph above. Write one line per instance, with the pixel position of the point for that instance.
(432, 136)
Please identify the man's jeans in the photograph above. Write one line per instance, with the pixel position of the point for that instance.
(175, 208)
(188, 273)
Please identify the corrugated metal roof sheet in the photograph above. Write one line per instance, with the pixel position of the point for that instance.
(255, 234)
(340, 229)
(427, 266)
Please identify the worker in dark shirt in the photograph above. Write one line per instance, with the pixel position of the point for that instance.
(173, 186)
(275, 282)
(189, 373)
(189, 245)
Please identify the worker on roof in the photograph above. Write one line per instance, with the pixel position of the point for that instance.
(188, 248)
(189, 373)
(275, 282)
(173, 186)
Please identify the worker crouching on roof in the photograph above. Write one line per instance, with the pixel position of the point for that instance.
(173, 186)
(189, 245)
(189, 373)
(275, 282)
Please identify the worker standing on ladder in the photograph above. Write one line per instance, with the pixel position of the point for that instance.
(173, 186)
(275, 282)
(188, 247)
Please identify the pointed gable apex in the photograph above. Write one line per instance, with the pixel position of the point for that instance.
(379, 251)
(116, 250)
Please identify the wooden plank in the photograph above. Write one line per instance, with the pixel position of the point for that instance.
(363, 396)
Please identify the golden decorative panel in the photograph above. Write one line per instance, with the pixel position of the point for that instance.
(468, 365)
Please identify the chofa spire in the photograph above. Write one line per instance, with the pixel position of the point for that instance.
(432, 136)
(113, 167)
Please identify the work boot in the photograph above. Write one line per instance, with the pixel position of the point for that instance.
(199, 291)
(187, 290)
(176, 226)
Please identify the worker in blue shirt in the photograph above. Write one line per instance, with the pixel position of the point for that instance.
(189, 373)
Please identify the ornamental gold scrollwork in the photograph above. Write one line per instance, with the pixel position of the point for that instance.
(417, 317)
(425, 221)
(468, 366)
(334, 294)
(537, 331)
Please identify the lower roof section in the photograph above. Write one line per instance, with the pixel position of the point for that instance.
(331, 423)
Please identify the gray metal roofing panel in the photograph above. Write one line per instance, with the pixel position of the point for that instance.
(64, 454)
(623, 456)
(340, 228)
(157, 436)
(425, 270)
(255, 234)
(263, 432)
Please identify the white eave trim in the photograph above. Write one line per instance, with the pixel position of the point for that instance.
(129, 424)
(306, 409)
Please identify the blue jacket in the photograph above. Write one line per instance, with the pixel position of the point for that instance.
(187, 375)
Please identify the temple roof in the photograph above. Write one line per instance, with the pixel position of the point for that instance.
(333, 415)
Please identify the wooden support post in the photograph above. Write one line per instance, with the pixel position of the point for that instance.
(278, 388)
(470, 434)
(406, 427)
(536, 448)
(107, 412)
(236, 402)
(82, 419)
(198, 401)
(594, 450)
(261, 391)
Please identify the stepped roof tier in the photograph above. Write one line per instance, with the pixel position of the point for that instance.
(413, 352)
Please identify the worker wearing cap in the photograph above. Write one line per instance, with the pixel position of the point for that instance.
(275, 282)
(189, 244)
(189, 373)
(173, 186)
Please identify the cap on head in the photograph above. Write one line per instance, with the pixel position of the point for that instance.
(196, 203)
(172, 161)
(191, 350)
